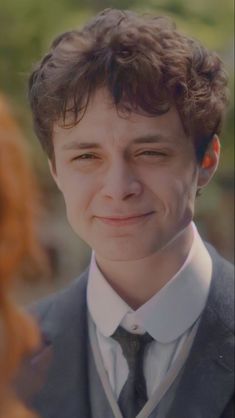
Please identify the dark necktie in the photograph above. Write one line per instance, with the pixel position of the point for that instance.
(133, 395)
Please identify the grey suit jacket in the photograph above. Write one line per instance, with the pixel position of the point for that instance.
(207, 384)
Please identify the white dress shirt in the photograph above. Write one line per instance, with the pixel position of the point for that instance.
(168, 317)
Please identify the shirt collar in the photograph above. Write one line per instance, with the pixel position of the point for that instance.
(170, 312)
(106, 307)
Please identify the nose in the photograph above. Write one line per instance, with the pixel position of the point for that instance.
(121, 182)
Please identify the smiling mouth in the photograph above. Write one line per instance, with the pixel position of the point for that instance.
(124, 220)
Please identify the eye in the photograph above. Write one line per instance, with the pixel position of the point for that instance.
(152, 153)
(85, 156)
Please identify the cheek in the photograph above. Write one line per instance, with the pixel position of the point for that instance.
(78, 192)
(183, 199)
(176, 191)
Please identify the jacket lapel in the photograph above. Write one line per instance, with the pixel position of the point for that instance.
(207, 381)
(65, 392)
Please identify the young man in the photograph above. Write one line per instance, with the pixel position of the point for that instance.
(129, 111)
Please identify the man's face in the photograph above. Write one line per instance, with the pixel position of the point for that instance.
(129, 182)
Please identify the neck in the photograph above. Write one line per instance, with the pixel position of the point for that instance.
(136, 281)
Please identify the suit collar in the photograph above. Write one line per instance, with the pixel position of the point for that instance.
(207, 381)
(66, 387)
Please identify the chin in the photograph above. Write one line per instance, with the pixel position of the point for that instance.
(126, 252)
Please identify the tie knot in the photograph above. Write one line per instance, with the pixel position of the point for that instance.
(133, 345)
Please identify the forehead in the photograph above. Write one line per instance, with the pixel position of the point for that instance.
(103, 122)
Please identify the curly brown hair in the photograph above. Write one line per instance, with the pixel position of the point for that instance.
(146, 65)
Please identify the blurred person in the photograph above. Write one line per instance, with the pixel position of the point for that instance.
(18, 242)
(129, 110)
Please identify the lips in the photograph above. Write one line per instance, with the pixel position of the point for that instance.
(118, 220)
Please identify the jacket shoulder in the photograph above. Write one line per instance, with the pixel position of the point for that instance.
(55, 312)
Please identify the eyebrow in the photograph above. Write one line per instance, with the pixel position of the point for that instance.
(147, 139)
(80, 145)
(151, 139)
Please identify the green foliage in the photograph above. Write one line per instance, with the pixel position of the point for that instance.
(26, 27)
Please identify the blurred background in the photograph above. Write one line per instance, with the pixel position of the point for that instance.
(26, 29)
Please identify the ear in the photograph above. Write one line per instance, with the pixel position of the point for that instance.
(209, 163)
(52, 168)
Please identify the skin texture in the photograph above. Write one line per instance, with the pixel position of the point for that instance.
(129, 184)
